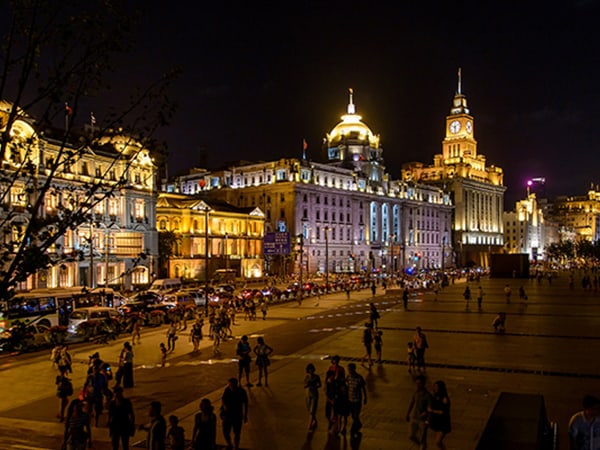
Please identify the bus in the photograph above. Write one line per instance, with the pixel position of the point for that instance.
(51, 307)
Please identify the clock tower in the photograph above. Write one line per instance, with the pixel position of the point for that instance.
(459, 143)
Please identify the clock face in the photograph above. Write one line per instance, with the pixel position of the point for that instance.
(469, 127)
(455, 127)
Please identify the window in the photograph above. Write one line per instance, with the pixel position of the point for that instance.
(140, 209)
(305, 214)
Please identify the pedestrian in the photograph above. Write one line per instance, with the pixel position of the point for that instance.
(421, 344)
(234, 412)
(480, 295)
(121, 419)
(522, 294)
(64, 389)
(136, 329)
(507, 293)
(405, 297)
(171, 336)
(417, 413)
(341, 406)
(262, 352)
(367, 340)
(373, 315)
(357, 396)
(330, 393)
(175, 434)
(264, 307)
(163, 354)
(499, 323)
(64, 360)
(439, 414)
(244, 359)
(584, 426)
(157, 429)
(204, 436)
(78, 433)
(347, 287)
(196, 334)
(373, 288)
(467, 295)
(312, 384)
(378, 343)
(338, 371)
(126, 366)
(95, 387)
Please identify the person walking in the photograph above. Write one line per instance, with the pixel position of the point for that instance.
(373, 288)
(171, 336)
(157, 429)
(507, 293)
(244, 359)
(378, 343)
(196, 334)
(121, 419)
(367, 340)
(584, 426)
(467, 295)
(405, 298)
(373, 315)
(64, 389)
(264, 307)
(125, 371)
(234, 412)
(204, 436)
(439, 414)
(136, 327)
(522, 294)
(417, 412)
(357, 396)
(480, 295)
(78, 432)
(312, 384)
(499, 323)
(64, 361)
(262, 352)
(420, 344)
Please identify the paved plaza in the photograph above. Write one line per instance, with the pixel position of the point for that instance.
(549, 348)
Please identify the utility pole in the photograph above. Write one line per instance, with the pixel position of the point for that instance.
(326, 229)
(301, 242)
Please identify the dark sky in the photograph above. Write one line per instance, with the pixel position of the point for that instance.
(258, 77)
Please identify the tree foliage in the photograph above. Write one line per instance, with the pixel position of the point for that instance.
(167, 240)
(56, 60)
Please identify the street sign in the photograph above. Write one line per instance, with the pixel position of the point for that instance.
(277, 243)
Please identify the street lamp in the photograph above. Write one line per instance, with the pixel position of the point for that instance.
(392, 268)
(206, 209)
(226, 253)
(301, 242)
(326, 229)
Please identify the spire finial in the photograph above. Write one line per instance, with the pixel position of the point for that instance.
(351, 108)
(459, 81)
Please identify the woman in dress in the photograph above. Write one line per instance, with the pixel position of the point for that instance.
(262, 352)
(204, 436)
(439, 413)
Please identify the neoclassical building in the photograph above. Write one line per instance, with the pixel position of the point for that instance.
(233, 239)
(112, 185)
(347, 211)
(476, 189)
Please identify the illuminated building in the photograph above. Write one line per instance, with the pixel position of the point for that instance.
(476, 189)
(235, 236)
(347, 205)
(117, 243)
(580, 213)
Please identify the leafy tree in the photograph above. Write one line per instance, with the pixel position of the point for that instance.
(56, 58)
(167, 241)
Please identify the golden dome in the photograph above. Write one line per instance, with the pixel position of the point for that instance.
(352, 127)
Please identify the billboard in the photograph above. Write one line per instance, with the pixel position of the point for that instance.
(277, 243)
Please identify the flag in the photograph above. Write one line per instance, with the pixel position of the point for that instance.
(68, 109)
(92, 119)
(304, 144)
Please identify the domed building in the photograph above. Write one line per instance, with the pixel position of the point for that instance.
(344, 215)
(351, 144)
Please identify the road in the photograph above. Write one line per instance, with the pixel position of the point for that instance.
(548, 349)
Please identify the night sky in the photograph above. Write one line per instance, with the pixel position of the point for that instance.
(258, 77)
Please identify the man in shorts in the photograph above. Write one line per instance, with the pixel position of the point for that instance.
(244, 359)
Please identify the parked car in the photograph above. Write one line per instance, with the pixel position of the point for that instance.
(92, 317)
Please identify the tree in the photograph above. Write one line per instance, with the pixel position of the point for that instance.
(56, 58)
(167, 240)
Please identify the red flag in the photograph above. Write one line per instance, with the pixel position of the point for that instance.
(304, 144)
(68, 109)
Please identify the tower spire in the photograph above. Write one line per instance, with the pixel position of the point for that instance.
(351, 108)
(459, 82)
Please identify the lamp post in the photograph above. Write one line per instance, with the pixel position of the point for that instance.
(91, 242)
(326, 229)
(206, 209)
(392, 268)
(301, 242)
(226, 253)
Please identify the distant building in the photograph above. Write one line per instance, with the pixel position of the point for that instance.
(579, 213)
(526, 230)
(476, 189)
(235, 236)
(347, 213)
